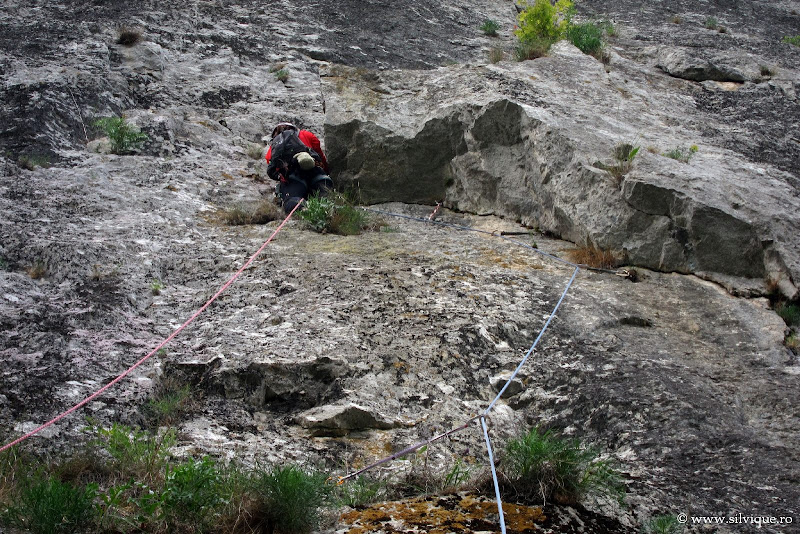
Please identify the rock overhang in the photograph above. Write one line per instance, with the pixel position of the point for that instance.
(523, 140)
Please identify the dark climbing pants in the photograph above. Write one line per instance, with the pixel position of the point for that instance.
(302, 184)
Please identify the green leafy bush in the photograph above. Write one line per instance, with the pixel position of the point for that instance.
(288, 499)
(192, 493)
(792, 40)
(334, 214)
(124, 137)
(789, 312)
(48, 506)
(711, 23)
(544, 466)
(544, 21)
(490, 27)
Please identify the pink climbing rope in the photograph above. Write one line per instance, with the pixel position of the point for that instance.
(177, 331)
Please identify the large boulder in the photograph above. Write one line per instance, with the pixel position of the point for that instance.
(534, 141)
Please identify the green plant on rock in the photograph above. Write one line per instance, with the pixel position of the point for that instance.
(791, 40)
(662, 524)
(359, 492)
(789, 312)
(544, 21)
(156, 286)
(124, 137)
(170, 400)
(288, 499)
(681, 154)
(490, 27)
(711, 23)
(135, 453)
(282, 75)
(588, 37)
(192, 493)
(48, 506)
(334, 214)
(623, 161)
(542, 465)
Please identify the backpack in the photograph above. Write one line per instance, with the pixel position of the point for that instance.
(285, 146)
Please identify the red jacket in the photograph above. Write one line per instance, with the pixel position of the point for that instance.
(312, 142)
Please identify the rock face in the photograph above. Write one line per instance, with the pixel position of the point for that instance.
(339, 351)
(532, 140)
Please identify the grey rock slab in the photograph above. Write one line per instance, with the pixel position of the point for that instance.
(524, 141)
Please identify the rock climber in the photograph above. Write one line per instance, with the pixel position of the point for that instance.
(295, 159)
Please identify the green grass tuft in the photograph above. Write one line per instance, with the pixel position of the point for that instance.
(588, 37)
(791, 40)
(789, 312)
(124, 137)
(48, 506)
(662, 524)
(490, 27)
(288, 499)
(543, 466)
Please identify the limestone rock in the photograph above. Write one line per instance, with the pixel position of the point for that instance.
(525, 142)
(338, 420)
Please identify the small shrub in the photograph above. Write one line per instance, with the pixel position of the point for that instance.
(593, 256)
(282, 75)
(156, 286)
(791, 40)
(588, 37)
(490, 27)
(135, 453)
(543, 21)
(544, 466)
(48, 506)
(128, 36)
(334, 214)
(192, 493)
(789, 312)
(359, 492)
(676, 19)
(287, 499)
(170, 401)
(124, 137)
(253, 213)
(496, 55)
(3, 264)
(681, 154)
(37, 270)
(766, 71)
(711, 23)
(662, 524)
(623, 161)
